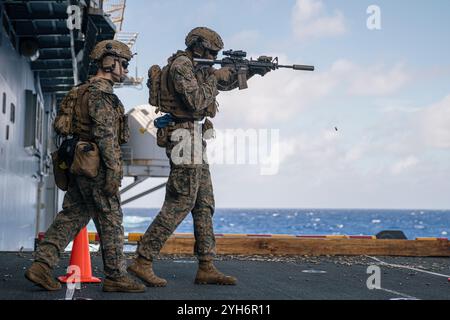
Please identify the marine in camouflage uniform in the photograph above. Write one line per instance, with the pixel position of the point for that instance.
(99, 118)
(189, 187)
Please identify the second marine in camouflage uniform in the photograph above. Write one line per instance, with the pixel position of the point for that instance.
(189, 96)
(98, 117)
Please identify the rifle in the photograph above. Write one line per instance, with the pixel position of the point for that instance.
(237, 62)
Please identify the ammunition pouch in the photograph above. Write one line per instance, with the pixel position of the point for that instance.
(66, 151)
(212, 109)
(208, 131)
(162, 137)
(60, 172)
(86, 160)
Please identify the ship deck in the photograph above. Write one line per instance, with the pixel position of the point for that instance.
(260, 278)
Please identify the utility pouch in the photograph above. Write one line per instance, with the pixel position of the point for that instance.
(64, 118)
(212, 109)
(66, 151)
(162, 137)
(86, 161)
(154, 85)
(60, 172)
(208, 131)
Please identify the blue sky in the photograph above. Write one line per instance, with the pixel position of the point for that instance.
(386, 90)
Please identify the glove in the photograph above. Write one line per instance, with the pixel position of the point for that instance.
(223, 74)
(112, 182)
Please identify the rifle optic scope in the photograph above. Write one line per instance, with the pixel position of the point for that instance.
(235, 54)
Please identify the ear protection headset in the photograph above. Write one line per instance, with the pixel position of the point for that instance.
(109, 63)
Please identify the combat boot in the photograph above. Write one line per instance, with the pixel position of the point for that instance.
(143, 269)
(208, 274)
(41, 274)
(122, 284)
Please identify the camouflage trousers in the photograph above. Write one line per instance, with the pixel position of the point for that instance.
(83, 201)
(188, 189)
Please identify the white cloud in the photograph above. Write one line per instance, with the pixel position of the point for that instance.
(404, 165)
(376, 80)
(396, 105)
(315, 149)
(310, 19)
(283, 94)
(355, 152)
(275, 98)
(436, 124)
(243, 39)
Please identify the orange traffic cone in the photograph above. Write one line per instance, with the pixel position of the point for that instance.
(80, 257)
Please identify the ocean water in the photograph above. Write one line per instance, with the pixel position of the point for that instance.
(414, 223)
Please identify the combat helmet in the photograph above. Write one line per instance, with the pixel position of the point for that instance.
(207, 37)
(112, 48)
